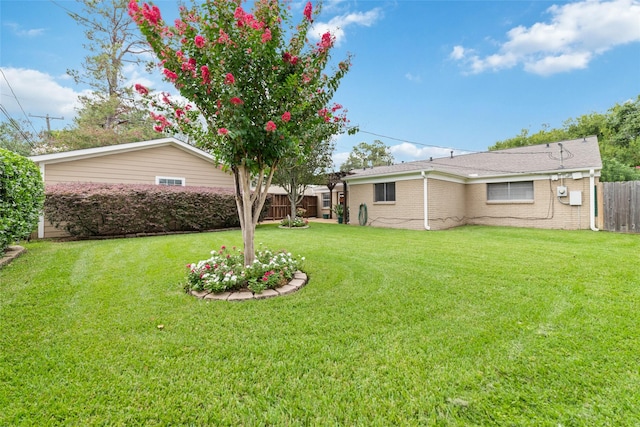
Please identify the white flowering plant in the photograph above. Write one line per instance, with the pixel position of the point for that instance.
(295, 222)
(226, 271)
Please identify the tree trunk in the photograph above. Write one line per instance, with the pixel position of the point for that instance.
(293, 208)
(249, 204)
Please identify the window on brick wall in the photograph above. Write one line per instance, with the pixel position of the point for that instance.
(509, 191)
(326, 200)
(384, 192)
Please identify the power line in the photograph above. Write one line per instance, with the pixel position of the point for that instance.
(418, 143)
(18, 101)
(501, 152)
(16, 126)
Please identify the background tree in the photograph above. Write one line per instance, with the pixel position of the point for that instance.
(254, 97)
(618, 133)
(90, 128)
(368, 155)
(113, 42)
(110, 114)
(295, 174)
(15, 137)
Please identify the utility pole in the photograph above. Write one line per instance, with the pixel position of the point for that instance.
(48, 118)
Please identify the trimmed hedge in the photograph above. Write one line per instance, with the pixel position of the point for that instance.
(21, 197)
(89, 210)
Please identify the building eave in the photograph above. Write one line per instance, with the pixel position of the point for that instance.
(470, 178)
(119, 149)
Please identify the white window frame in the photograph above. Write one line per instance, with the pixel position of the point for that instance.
(513, 192)
(386, 196)
(171, 178)
(326, 200)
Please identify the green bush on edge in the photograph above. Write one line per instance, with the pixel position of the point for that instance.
(21, 197)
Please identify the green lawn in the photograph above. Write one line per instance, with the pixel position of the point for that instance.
(470, 326)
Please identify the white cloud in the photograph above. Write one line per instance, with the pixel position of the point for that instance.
(339, 159)
(458, 52)
(338, 24)
(135, 73)
(575, 35)
(407, 151)
(38, 93)
(333, 6)
(20, 32)
(413, 78)
(557, 64)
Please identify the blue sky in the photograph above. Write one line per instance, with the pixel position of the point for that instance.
(427, 76)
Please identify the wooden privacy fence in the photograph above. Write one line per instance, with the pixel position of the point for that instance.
(621, 202)
(281, 207)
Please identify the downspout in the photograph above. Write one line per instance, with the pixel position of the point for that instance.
(41, 216)
(592, 202)
(346, 202)
(426, 200)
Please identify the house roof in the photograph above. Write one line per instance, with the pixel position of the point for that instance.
(564, 156)
(120, 148)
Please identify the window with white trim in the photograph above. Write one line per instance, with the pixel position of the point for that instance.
(510, 191)
(326, 200)
(170, 181)
(384, 192)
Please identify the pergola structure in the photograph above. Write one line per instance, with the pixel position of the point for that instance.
(333, 179)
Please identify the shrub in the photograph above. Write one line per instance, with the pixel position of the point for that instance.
(85, 210)
(21, 197)
(295, 222)
(225, 271)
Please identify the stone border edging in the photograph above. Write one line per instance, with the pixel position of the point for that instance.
(299, 280)
(10, 254)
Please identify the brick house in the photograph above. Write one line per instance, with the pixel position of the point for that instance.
(542, 186)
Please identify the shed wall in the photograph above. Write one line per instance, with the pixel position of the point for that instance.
(135, 167)
(140, 167)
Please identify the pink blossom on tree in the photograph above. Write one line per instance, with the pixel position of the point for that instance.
(141, 89)
(270, 127)
(325, 42)
(199, 41)
(206, 76)
(238, 69)
(266, 36)
(170, 75)
(307, 11)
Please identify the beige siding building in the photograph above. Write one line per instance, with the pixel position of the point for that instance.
(542, 186)
(165, 161)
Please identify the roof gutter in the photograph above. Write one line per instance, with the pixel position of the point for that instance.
(426, 200)
(592, 202)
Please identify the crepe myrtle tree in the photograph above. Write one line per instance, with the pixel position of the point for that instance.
(254, 88)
